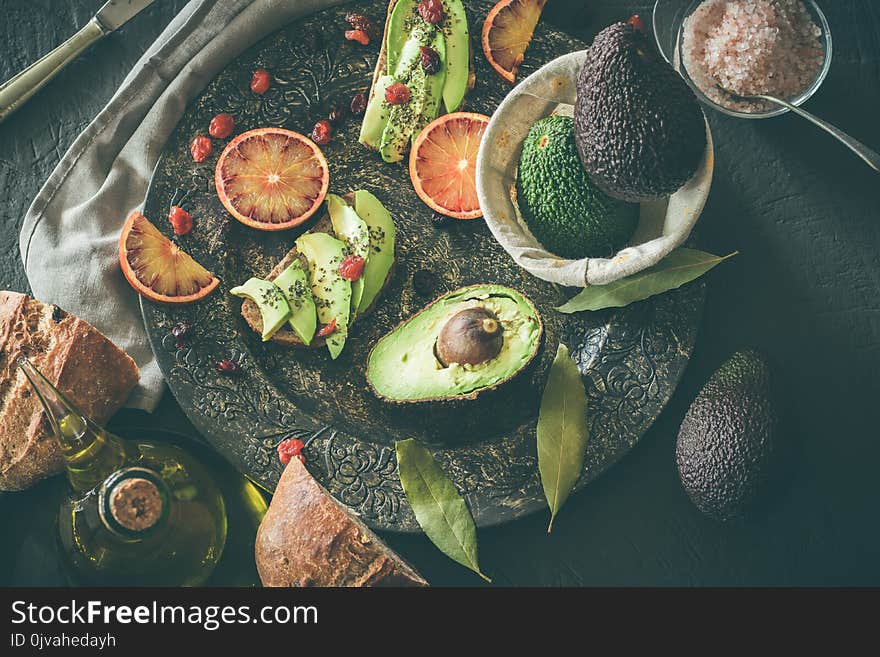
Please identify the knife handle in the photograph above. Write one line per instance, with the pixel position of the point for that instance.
(16, 91)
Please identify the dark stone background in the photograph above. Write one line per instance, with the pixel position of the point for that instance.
(803, 212)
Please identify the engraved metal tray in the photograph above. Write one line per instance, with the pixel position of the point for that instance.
(631, 358)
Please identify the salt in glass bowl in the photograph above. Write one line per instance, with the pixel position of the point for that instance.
(668, 18)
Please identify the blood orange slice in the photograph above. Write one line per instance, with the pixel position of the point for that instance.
(157, 268)
(272, 179)
(507, 32)
(443, 163)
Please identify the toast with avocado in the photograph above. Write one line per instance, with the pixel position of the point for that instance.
(307, 292)
(435, 63)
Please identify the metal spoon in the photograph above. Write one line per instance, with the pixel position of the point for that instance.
(871, 158)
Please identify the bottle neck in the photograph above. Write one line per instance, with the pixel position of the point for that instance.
(91, 454)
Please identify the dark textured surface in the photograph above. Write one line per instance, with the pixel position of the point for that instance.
(631, 358)
(804, 213)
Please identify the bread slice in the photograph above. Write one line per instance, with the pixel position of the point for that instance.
(307, 538)
(89, 369)
(251, 312)
(382, 61)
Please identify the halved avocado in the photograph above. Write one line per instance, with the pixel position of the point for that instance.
(463, 343)
(383, 234)
(294, 285)
(269, 299)
(332, 293)
(352, 230)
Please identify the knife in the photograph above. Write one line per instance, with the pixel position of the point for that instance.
(113, 15)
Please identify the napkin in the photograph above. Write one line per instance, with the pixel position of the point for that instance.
(69, 238)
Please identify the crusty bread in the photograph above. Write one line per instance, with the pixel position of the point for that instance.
(307, 538)
(251, 312)
(94, 374)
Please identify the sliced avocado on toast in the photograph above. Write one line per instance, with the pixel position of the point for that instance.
(390, 129)
(302, 286)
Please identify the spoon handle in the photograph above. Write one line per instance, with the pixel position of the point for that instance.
(872, 158)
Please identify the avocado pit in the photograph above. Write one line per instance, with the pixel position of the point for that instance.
(471, 336)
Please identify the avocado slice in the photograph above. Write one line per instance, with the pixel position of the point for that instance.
(405, 18)
(352, 230)
(294, 285)
(332, 293)
(725, 445)
(463, 343)
(376, 114)
(274, 309)
(458, 43)
(382, 238)
(433, 88)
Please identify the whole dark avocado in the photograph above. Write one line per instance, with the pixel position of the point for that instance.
(639, 129)
(725, 442)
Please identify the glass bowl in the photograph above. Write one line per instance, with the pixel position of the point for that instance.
(668, 17)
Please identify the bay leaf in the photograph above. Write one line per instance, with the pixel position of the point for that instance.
(679, 267)
(562, 431)
(440, 510)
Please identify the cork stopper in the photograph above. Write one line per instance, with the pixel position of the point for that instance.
(136, 504)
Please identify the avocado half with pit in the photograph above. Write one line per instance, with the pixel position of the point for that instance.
(463, 343)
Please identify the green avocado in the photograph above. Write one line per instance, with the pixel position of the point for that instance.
(352, 230)
(382, 241)
(563, 209)
(458, 43)
(725, 443)
(331, 292)
(407, 119)
(376, 115)
(272, 304)
(294, 285)
(463, 343)
(640, 131)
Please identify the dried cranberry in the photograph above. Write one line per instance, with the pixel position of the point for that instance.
(358, 104)
(228, 366)
(221, 126)
(352, 268)
(439, 220)
(201, 148)
(358, 35)
(431, 11)
(289, 448)
(637, 22)
(181, 220)
(326, 329)
(181, 333)
(397, 94)
(430, 60)
(261, 81)
(360, 22)
(337, 114)
(322, 132)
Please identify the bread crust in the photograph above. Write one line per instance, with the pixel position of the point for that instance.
(90, 370)
(307, 538)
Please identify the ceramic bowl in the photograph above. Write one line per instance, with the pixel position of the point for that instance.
(663, 225)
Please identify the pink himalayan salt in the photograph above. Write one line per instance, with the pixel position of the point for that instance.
(752, 47)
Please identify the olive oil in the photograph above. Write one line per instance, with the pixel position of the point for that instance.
(139, 513)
